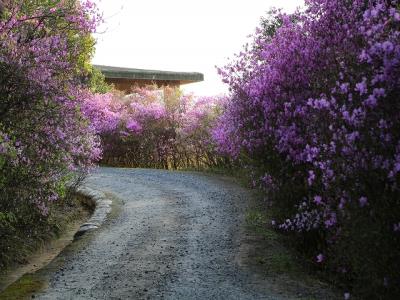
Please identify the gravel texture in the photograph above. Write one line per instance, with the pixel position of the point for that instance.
(177, 236)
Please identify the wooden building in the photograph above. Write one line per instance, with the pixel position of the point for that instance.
(124, 78)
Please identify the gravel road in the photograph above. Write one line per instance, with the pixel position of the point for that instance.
(177, 236)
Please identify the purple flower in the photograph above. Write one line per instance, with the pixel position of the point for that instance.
(361, 87)
(344, 88)
(363, 201)
(331, 220)
(387, 46)
(311, 177)
(371, 101)
(133, 126)
(318, 200)
(320, 258)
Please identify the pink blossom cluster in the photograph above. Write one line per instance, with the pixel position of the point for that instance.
(154, 127)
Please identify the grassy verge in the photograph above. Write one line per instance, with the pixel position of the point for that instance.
(281, 259)
(21, 289)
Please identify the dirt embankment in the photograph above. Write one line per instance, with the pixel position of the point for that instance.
(32, 253)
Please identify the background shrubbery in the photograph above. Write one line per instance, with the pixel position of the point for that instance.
(315, 112)
(156, 128)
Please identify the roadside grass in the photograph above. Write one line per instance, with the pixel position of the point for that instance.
(23, 288)
(277, 258)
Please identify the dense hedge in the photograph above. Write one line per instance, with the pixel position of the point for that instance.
(315, 106)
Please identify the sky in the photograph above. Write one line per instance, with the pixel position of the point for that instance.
(179, 35)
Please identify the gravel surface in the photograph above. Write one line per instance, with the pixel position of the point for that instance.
(177, 236)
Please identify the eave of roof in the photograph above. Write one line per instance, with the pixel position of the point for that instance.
(141, 74)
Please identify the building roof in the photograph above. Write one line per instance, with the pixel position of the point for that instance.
(151, 75)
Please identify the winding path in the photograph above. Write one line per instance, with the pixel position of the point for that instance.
(177, 236)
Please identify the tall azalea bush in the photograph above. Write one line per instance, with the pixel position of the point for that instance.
(315, 104)
(44, 137)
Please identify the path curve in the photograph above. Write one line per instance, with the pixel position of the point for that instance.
(177, 236)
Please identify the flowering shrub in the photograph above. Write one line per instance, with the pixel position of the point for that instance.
(43, 135)
(154, 128)
(314, 102)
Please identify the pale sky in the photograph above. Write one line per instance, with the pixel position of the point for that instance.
(179, 35)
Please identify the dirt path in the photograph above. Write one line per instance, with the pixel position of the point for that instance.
(178, 236)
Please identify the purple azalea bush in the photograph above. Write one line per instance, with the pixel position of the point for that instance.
(45, 140)
(315, 105)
